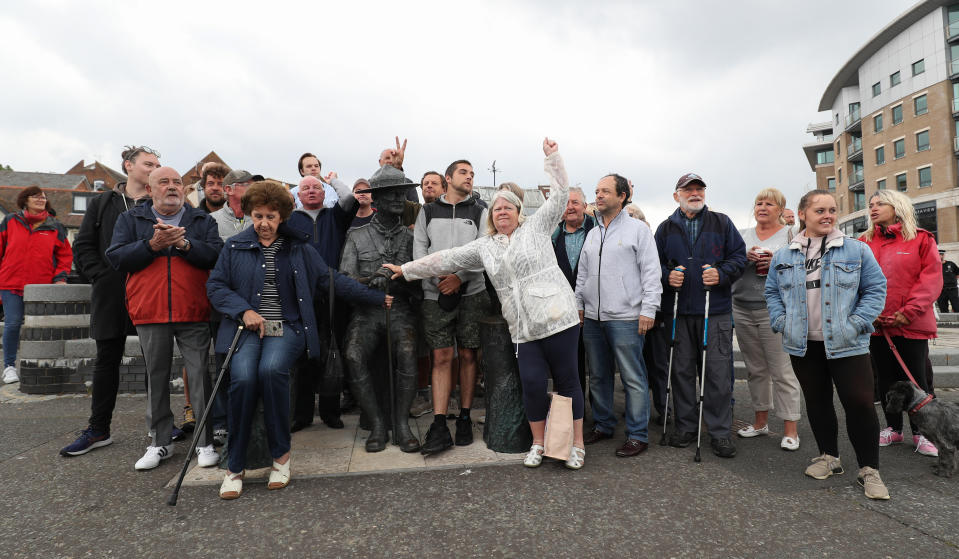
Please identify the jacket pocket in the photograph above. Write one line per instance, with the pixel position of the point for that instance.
(367, 261)
(545, 298)
(847, 274)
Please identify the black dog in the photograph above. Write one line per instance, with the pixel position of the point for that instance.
(937, 421)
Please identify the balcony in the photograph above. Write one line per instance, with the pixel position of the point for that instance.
(955, 145)
(855, 151)
(955, 108)
(954, 69)
(952, 32)
(853, 121)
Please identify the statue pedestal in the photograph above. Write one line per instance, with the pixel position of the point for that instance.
(506, 428)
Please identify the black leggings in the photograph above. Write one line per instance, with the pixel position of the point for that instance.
(554, 355)
(853, 379)
(888, 370)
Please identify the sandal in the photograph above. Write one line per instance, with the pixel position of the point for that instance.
(535, 456)
(232, 486)
(790, 443)
(279, 475)
(577, 457)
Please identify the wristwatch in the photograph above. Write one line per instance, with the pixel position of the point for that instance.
(186, 246)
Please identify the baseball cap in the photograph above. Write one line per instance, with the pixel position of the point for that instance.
(687, 179)
(239, 175)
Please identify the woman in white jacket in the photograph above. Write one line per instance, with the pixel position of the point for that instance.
(538, 303)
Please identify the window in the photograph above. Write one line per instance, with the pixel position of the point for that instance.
(840, 176)
(922, 140)
(824, 157)
(837, 119)
(925, 177)
(831, 184)
(897, 115)
(926, 217)
(899, 147)
(881, 184)
(858, 201)
(880, 155)
(876, 89)
(856, 175)
(894, 79)
(838, 151)
(853, 112)
(877, 123)
(901, 182)
(918, 67)
(79, 204)
(920, 105)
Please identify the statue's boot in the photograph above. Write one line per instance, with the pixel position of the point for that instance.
(405, 392)
(362, 387)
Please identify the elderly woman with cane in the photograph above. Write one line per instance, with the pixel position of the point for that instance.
(266, 279)
(823, 293)
(538, 303)
(909, 259)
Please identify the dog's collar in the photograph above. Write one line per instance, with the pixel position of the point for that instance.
(923, 402)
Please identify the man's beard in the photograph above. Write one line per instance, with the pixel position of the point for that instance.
(686, 207)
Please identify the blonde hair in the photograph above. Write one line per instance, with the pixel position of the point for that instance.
(905, 213)
(636, 213)
(514, 188)
(775, 196)
(512, 199)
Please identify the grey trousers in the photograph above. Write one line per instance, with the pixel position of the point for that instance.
(687, 361)
(156, 341)
(771, 376)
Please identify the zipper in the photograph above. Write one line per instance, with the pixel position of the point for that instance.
(169, 284)
(599, 273)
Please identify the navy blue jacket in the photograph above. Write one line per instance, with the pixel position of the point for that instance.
(719, 244)
(235, 284)
(328, 233)
(559, 247)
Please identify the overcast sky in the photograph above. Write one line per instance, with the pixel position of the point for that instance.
(650, 90)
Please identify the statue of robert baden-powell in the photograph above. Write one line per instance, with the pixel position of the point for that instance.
(383, 239)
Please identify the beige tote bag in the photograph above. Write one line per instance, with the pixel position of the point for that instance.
(559, 428)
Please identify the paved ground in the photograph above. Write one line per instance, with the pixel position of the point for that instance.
(660, 504)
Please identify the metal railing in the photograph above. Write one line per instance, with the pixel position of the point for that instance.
(852, 118)
(952, 30)
(955, 144)
(953, 67)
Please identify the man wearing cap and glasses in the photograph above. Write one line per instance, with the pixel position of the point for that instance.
(699, 248)
(229, 218)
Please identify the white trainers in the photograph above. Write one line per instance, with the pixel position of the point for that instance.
(206, 456)
(152, 457)
(10, 375)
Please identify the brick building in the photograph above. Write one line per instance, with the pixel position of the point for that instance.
(67, 194)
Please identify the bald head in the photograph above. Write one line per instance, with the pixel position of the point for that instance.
(166, 188)
(311, 193)
(386, 157)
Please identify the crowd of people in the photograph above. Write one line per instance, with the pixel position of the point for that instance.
(586, 291)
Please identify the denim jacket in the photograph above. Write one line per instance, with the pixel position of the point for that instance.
(853, 294)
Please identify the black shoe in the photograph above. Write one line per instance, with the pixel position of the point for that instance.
(438, 439)
(723, 448)
(332, 421)
(299, 425)
(177, 434)
(464, 431)
(681, 440)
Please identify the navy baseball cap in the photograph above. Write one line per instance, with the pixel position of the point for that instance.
(689, 178)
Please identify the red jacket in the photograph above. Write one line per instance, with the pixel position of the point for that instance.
(913, 279)
(40, 255)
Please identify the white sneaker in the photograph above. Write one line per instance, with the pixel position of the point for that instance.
(10, 375)
(206, 456)
(152, 457)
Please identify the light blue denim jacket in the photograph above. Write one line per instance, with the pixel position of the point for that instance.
(853, 294)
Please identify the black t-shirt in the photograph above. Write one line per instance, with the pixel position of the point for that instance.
(361, 221)
(949, 270)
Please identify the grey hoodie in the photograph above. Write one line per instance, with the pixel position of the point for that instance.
(450, 226)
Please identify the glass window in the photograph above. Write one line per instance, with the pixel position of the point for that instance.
(894, 79)
(824, 157)
(840, 176)
(925, 177)
(858, 201)
(79, 204)
(876, 89)
(899, 147)
(858, 226)
(853, 112)
(897, 115)
(880, 155)
(926, 217)
(918, 67)
(881, 184)
(920, 105)
(838, 151)
(831, 183)
(901, 182)
(877, 123)
(856, 175)
(922, 140)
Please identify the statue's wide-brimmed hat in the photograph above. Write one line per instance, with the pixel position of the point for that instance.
(388, 178)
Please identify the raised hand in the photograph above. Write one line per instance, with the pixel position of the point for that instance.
(330, 176)
(549, 146)
(399, 153)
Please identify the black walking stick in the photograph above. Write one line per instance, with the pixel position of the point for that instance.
(669, 372)
(389, 361)
(202, 422)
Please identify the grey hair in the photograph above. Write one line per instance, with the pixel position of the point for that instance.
(509, 197)
(573, 189)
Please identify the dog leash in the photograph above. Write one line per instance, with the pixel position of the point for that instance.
(892, 346)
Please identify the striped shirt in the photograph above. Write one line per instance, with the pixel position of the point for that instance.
(270, 308)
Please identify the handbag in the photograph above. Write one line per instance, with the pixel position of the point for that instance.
(559, 428)
(332, 382)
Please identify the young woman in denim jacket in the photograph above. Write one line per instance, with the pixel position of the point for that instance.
(823, 293)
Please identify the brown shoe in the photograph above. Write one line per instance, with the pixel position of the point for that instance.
(631, 447)
(595, 436)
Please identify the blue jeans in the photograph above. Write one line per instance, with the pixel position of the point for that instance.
(261, 367)
(619, 340)
(12, 321)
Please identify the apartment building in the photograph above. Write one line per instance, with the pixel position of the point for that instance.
(894, 122)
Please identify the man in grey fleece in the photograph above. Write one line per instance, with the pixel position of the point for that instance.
(618, 289)
(452, 304)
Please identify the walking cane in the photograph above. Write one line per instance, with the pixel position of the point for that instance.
(669, 371)
(702, 378)
(202, 422)
(389, 361)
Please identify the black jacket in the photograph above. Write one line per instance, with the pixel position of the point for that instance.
(559, 247)
(108, 310)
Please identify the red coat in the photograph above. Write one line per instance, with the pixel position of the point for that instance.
(29, 256)
(913, 279)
